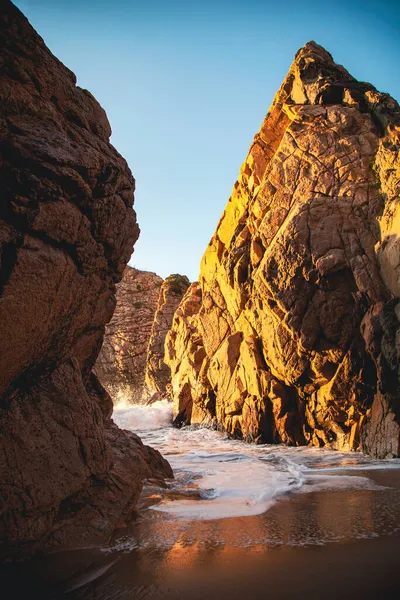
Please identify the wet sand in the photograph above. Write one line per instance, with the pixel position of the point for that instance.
(317, 545)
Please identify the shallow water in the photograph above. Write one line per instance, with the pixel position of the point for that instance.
(238, 521)
(217, 478)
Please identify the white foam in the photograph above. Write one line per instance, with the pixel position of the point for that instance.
(335, 483)
(217, 477)
(139, 417)
(229, 485)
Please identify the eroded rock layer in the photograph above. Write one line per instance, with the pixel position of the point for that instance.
(121, 363)
(68, 476)
(292, 334)
(158, 375)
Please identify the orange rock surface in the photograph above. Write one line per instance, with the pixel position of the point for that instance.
(292, 333)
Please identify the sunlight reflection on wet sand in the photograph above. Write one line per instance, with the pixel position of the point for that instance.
(316, 545)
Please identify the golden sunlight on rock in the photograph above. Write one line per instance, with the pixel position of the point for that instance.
(290, 334)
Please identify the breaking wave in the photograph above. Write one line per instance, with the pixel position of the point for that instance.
(141, 417)
(216, 477)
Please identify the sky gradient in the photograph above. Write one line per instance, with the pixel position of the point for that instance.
(186, 86)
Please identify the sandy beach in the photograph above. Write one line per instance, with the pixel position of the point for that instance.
(318, 545)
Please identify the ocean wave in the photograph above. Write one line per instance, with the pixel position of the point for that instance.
(216, 477)
(140, 417)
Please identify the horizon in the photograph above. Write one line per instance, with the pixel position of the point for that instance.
(185, 92)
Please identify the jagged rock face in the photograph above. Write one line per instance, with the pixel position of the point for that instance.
(131, 361)
(158, 375)
(292, 334)
(67, 474)
(194, 400)
(121, 363)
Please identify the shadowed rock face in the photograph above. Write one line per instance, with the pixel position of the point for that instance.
(131, 361)
(121, 363)
(292, 333)
(68, 476)
(158, 374)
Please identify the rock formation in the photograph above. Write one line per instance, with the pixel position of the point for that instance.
(292, 334)
(68, 475)
(158, 374)
(121, 363)
(131, 361)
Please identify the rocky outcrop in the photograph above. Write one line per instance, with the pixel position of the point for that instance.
(193, 397)
(292, 334)
(158, 375)
(131, 361)
(68, 476)
(121, 363)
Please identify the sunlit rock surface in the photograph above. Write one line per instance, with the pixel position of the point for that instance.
(292, 333)
(68, 475)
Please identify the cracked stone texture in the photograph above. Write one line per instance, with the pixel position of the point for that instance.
(68, 476)
(131, 361)
(158, 374)
(292, 333)
(121, 364)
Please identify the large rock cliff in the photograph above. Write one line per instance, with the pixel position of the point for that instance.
(158, 375)
(131, 361)
(68, 475)
(292, 334)
(121, 363)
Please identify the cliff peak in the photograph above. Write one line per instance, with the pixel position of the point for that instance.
(312, 49)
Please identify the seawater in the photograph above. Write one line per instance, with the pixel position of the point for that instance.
(218, 478)
(237, 521)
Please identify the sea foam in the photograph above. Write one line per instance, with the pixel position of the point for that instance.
(216, 477)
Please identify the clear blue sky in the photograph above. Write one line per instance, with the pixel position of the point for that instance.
(186, 85)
